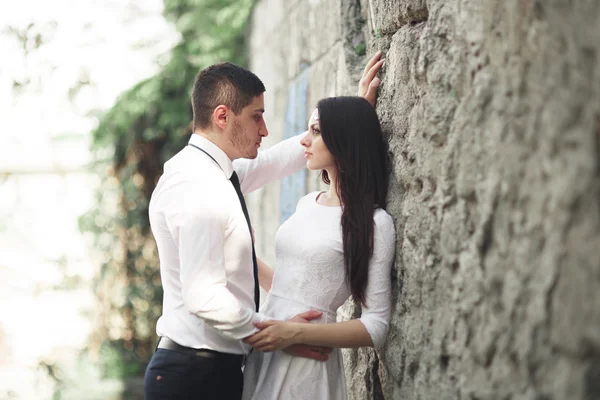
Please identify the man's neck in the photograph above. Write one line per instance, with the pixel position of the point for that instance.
(218, 140)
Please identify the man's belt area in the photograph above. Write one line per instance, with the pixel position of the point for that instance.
(168, 344)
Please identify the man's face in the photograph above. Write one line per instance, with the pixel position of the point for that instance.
(248, 128)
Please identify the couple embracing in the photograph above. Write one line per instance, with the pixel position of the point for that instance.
(214, 341)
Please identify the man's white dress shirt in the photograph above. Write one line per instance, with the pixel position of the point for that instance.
(204, 245)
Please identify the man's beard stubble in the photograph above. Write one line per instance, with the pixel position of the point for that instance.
(241, 142)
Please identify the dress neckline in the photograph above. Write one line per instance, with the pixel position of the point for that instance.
(321, 205)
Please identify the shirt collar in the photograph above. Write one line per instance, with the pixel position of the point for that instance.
(219, 155)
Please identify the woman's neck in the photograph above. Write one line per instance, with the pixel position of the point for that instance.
(331, 198)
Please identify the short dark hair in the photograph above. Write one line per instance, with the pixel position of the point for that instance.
(352, 133)
(227, 84)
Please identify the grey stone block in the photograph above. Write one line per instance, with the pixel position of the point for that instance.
(390, 15)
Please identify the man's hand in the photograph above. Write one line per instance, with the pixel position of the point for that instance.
(306, 316)
(368, 84)
(313, 352)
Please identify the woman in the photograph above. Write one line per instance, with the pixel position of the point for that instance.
(337, 244)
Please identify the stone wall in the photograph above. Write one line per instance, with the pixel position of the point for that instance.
(492, 113)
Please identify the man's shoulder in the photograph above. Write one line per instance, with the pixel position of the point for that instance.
(184, 180)
(186, 166)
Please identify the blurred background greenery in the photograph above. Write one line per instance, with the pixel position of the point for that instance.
(130, 141)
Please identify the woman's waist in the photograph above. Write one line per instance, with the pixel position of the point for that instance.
(282, 307)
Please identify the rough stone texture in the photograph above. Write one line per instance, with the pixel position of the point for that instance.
(492, 111)
(388, 16)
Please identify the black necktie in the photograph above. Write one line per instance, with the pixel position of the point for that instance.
(236, 184)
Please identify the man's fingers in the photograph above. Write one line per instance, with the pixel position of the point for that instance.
(313, 354)
(317, 356)
(322, 350)
(310, 315)
(372, 62)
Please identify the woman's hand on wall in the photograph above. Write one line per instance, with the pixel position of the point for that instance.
(369, 82)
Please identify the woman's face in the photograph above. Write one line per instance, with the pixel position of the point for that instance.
(316, 153)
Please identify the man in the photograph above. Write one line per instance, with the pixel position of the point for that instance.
(203, 234)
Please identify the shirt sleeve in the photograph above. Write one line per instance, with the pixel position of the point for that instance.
(276, 162)
(199, 233)
(376, 313)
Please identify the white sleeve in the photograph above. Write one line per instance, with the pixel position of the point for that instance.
(276, 162)
(376, 313)
(199, 233)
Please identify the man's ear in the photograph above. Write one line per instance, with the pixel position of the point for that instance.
(219, 116)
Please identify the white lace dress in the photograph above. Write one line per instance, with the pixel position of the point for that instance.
(310, 276)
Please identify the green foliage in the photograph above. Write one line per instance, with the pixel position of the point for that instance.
(360, 49)
(148, 124)
(117, 362)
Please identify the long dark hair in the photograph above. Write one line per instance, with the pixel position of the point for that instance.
(352, 133)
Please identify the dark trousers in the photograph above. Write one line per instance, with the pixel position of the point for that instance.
(173, 375)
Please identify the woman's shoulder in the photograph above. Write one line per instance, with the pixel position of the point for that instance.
(313, 195)
(309, 198)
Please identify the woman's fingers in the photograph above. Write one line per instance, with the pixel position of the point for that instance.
(274, 335)
(262, 344)
(258, 336)
(368, 84)
(372, 62)
(257, 340)
(265, 324)
(271, 338)
(370, 74)
(371, 93)
(251, 340)
(263, 338)
(266, 344)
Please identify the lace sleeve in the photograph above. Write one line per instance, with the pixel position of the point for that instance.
(376, 313)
